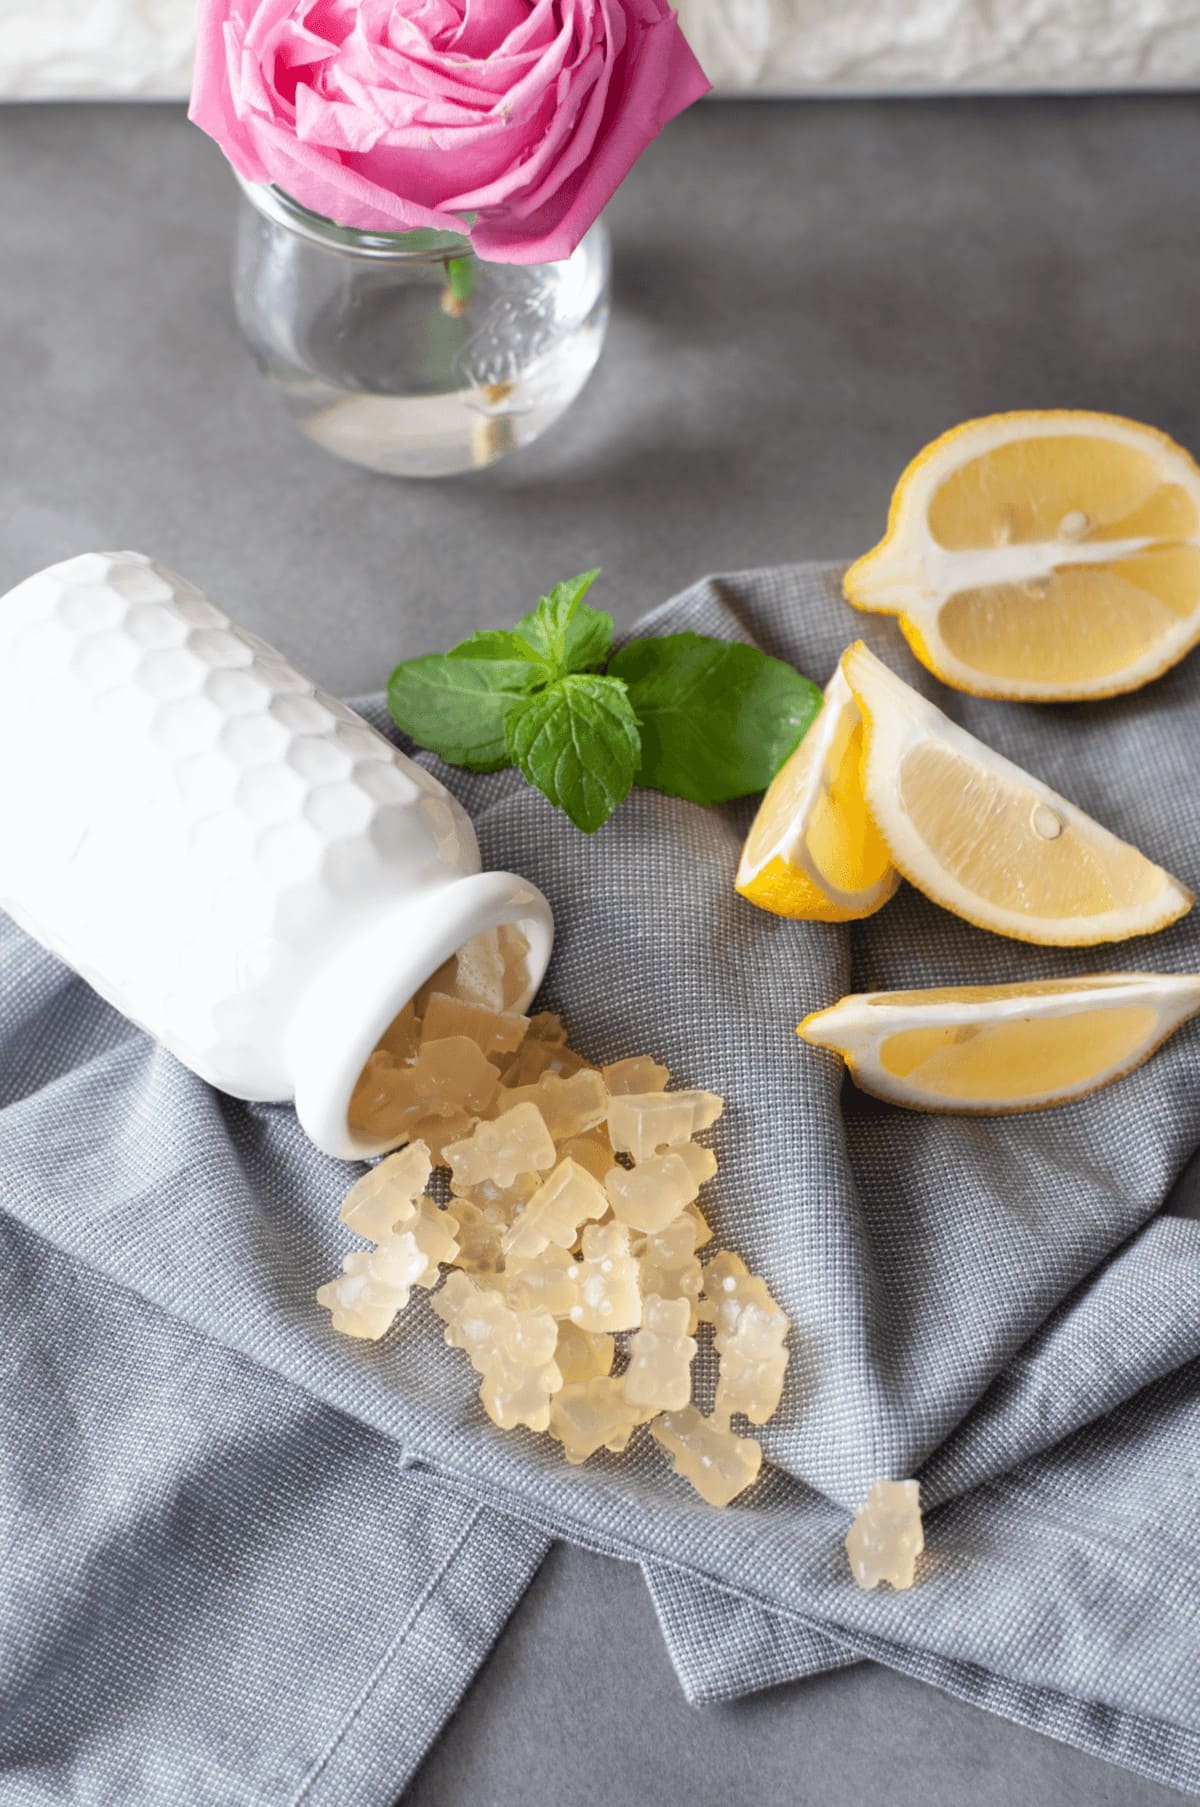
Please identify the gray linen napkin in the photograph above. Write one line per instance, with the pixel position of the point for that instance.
(213, 1587)
(999, 1306)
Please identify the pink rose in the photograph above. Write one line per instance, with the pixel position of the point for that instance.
(395, 114)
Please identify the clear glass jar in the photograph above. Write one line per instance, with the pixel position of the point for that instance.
(404, 351)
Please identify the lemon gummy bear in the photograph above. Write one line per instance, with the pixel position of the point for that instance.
(717, 1462)
(753, 1361)
(567, 1198)
(569, 1107)
(649, 1196)
(386, 1196)
(643, 1124)
(886, 1537)
(494, 1032)
(637, 1074)
(669, 1267)
(610, 1293)
(375, 1284)
(516, 1142)
(593, 1414)
(659, 1374)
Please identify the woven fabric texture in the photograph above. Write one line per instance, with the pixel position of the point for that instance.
(1009, 1309)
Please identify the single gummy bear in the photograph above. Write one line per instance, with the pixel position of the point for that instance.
(669, 1266)
(886, 1537)
(640, 1073)
(452, 1075)
(647, 1197)
(583, 1354)
(659, 1374)
(753, 1361)
(569, 1107)
(593, 1414)
(643, 1124)
(719, 1464)
(492, 1031)
(549, 1281)
(374, 1284)
(480, 1230)
(729, 1288)
(516, 1142)
(610, 1295)
(567, 1198)
(385, 1198)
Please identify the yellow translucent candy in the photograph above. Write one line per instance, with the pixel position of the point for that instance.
(438, 1133)
(886, 1537)
(643, 1124)
(547, 1026)
(703, 1234)
(753, 1361)
(384, 1198)
(640, 1073)
(514, 1393)
(361, 1303)
(479, 1235)
(569, 1107)
(567, 1198)
(548, 1281)
(647, 1197)
(610, 1296)
(402, 1038)
(494, 1032)
(729, 1288)
(588, 1415)
(381, 1102)
(718, 1463)
(660, 1356)
(492, 969)
(535, 1058)
(428, 1239)
(669, 1266)
(501, 1201)
(516, 1142)
(453, 1075)
(581, 1354)
(593, 1152)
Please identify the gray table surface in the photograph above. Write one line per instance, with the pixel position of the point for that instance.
(805, 293)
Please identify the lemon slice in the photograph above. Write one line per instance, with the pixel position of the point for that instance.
(999, 1048)
(1042, 555)
(988, 841)
(813, 851)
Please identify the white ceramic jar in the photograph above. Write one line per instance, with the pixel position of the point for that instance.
(233, 858)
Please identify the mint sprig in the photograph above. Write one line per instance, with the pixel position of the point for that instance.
(687, 714)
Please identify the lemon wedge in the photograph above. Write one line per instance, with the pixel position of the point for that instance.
(986, 840)
(1042, 555)
(1000, 1048)
(813, 851)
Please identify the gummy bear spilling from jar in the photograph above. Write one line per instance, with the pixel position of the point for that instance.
(572, 1231)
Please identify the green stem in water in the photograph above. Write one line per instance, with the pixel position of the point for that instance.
(460, 285)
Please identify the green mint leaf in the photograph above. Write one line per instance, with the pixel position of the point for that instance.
(566, 633)
(498, 643)
(459, 707)
(718, 718)
(578, 742)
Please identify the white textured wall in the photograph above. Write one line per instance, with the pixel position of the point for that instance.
(57, 48)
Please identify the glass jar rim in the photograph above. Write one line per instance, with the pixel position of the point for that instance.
(420, 246)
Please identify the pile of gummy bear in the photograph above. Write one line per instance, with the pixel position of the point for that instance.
(573, 1220)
